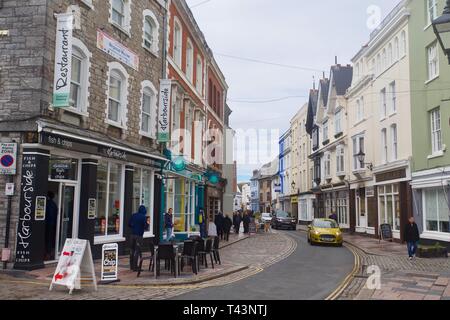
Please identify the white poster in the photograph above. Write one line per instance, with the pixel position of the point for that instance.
(63, 60)
(8, 158)
(163, 113)
(115, 49)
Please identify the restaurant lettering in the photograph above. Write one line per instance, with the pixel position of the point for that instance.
(63, 60)
(116, 154)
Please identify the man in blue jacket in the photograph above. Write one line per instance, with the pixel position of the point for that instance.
(138, 224)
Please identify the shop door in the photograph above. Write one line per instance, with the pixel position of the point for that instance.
(65, 217)
(361, 210)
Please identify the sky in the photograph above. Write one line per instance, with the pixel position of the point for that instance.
(271, 50)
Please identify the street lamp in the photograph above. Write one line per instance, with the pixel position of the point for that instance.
(293, 185)
(441, 27)
(362, 157)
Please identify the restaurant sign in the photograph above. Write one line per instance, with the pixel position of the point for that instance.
(63, 60)
(163, 113)
(115, 49)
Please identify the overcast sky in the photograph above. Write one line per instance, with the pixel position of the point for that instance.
(304, 35)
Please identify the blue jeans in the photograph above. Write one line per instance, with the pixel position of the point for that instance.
(169, 232)
(412, 248)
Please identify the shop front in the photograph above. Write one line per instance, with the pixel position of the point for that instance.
(306, 208)
(74, 186)
(335, 199)
(394, 199)
(365, 208)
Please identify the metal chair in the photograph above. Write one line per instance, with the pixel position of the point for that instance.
(150, 258)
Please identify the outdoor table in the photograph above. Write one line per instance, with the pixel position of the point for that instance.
(177, 248)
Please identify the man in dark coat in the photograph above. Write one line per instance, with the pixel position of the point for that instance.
(237, 222)
(227, 223)
(218, 221)
(50, 225)
(412, 237)
(246, 221)
(138, 224)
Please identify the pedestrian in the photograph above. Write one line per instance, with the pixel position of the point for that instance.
(212, 229)
(333, 216)
(412, 237)
(138, 224)
(50, 226)
(202, 222)
(227, 223)
(246, 220)
(219, 224)
(237, 222)
(168, 224)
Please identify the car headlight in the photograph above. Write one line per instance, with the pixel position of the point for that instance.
(316, 233)
(338, 234)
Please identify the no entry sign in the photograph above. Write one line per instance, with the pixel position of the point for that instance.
(8, 158)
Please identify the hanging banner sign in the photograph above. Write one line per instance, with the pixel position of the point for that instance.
(163, 114)
(63, 60)
(75, 260)
(8, 158)
(110, 262)
(117, 50)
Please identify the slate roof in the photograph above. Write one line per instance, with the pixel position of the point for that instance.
(312, 109)
(324, 87)
(342, 78)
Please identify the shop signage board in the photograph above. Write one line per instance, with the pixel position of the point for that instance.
(8, 158)
(61, 170)
(117, 50)
(370, 192)
(252, 227)
(110, 262)
(163, 112)
(63, 60)
(75, 261)
(386, 232)
(92, 209)
(40, 208)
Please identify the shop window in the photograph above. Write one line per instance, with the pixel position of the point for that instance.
(181, 197)
(110, 189)
(389, 205)
(436, 210)
(61, 168)
(143, 189)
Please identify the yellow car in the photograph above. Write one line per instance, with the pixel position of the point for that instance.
(325, 231)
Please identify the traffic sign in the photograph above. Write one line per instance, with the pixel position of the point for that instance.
(8, 158)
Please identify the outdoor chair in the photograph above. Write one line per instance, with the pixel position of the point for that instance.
(208, 250)
(190, 255)
(200, 250)
(215, 250)
(166, 252)
(150, 258)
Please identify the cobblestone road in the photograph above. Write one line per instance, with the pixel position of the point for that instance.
(257, 253)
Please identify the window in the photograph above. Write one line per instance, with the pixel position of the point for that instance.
(120, 15)
(383, 107)
(143, 190)
(79, 84)
(431, 11)
(396, 49)
(374, 67)
(148, 110)
(389, 55)
(199, 76)
(304, 152)
(384, 147)
(342, 207)
(384, 60)
(117, 95)
(436, 210)
(110, 191)
(433, 61)
(394, 138)
(436, 134)
(177, 43)
(403, 44)
(340, 160)
(190, 62)
(151, 32)
(360, 109)
(378, 64)
(338, 122)
(358, 146)
(393, 94)
(325, 131)
(389, 205)
(327, 165)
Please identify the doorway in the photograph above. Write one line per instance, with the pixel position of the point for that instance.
(361, 210)
(60, 217)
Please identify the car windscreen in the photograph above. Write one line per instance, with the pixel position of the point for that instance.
(325, 224)
(282, 214)
(266, 215)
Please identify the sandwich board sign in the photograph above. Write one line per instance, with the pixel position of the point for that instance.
(110, 263)
(75, 261)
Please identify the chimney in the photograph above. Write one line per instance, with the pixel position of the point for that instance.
(335, 60)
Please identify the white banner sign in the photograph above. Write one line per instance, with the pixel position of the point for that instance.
(163, 113)
(76, 258)
(117, 50)
(8, 158)
(63, 60)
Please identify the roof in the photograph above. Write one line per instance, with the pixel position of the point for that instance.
(342, 78)
(312, 110)
(324, 85)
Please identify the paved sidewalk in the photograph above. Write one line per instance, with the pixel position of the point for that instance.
(244, 258)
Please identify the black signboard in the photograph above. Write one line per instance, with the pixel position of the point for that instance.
(386, 232)
(252, 227)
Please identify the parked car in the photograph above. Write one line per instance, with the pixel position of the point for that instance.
(282, 219)
(265, 217)
(325, 231)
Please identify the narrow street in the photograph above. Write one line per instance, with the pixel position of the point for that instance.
(310, 273)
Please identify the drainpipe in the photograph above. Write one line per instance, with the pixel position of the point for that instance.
(8, 213)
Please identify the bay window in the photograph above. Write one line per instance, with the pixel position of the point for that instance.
(436, 210)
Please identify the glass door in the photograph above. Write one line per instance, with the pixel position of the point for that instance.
(65, 218)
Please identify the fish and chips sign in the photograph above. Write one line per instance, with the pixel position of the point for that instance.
(75, 261)
(63, 60)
